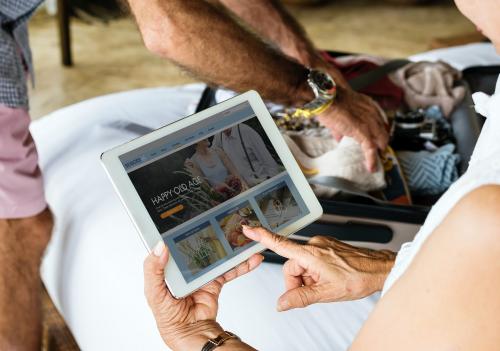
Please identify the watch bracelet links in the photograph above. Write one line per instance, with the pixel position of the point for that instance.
(211, 344)
(308, 111)
(305, 112)
(286, 115)
(323, 99)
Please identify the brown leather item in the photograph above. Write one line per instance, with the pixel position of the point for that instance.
(219, 340)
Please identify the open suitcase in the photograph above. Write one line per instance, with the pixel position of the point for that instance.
(362, 222)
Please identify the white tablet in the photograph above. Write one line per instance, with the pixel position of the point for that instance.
(193, 183)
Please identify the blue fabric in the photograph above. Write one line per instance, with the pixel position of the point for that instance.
(430, 173)
(434, 112)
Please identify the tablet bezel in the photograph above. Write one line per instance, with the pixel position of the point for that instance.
(142, 219)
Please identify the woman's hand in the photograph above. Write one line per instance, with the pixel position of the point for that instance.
(186, 324)
(325, 270)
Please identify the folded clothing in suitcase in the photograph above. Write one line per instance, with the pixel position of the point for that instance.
(364, 222)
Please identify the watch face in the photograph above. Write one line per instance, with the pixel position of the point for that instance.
(323, 82)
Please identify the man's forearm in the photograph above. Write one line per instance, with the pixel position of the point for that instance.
(272, 21)
(209, 43)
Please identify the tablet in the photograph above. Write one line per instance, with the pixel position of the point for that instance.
(194, 182)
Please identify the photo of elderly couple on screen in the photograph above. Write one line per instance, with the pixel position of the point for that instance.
(200, 176)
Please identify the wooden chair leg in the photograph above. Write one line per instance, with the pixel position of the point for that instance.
(64, 32)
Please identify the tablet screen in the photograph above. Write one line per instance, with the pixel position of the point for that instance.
(200, 184)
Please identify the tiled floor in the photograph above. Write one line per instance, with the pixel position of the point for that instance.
(110, 58)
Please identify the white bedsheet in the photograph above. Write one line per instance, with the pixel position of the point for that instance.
(93, 266)
(462, 57)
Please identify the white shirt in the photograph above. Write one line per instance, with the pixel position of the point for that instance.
(257, 156)
(215, 173)
(484, 169)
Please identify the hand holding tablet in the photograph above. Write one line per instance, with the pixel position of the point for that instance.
(195, 182)
(192, 320)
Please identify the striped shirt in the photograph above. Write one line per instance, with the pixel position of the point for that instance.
(15, 53)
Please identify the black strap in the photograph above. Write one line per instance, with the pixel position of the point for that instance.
(365, 80)
(207, 98)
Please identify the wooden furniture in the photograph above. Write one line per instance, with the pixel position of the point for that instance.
(63, 22)
(466, 38)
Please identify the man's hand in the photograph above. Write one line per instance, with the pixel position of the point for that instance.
(325, 270)
(358, 116)
(187, 324)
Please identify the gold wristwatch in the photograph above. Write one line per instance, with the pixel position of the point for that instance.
(325, 91)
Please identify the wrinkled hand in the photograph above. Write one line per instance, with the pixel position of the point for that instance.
(186, 323)
(358, 116)
(325, 270)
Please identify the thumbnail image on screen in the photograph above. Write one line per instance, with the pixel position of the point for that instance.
(196, 178)
(231, 224)
(199, 248)
(278, 205)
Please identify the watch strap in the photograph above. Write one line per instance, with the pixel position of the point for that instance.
(324, 97)
(291, 117)
(212, 344)
(311, 109)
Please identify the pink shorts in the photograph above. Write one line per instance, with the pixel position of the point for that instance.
(21, 185)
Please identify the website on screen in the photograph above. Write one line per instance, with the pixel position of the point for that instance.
(201, 184)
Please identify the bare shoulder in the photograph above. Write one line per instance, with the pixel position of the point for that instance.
(476, 215)
(485, 198)
(449, 293)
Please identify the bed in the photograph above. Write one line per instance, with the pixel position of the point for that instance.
(93, 266)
